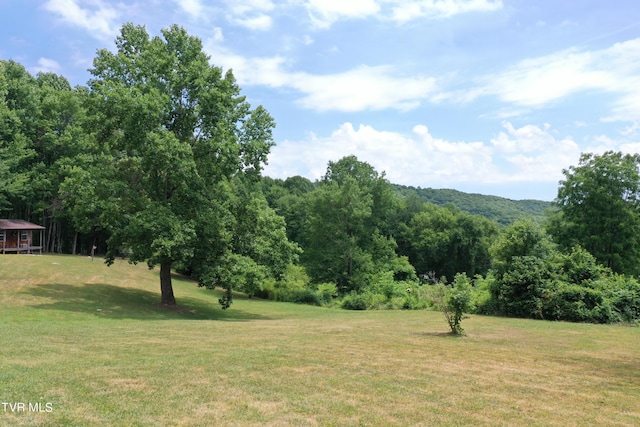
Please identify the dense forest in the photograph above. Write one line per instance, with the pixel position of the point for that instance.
(499, 209)
(158, 160)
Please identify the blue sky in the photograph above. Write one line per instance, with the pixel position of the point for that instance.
(484, 96)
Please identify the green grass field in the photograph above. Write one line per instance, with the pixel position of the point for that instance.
(90, 345)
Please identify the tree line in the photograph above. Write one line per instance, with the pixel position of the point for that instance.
(158, 159)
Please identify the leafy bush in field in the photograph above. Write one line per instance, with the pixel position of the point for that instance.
(623, 293)
(534, 279)
(246, 275)
(356, 301)
(575, 303)
(454, 301)
(292, 287)
(385, 293)
(482, 301)
(326, 292)
(459, 302)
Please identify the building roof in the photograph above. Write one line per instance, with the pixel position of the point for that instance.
(18, 224)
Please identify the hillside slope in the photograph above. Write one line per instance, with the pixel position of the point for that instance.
(499, 209)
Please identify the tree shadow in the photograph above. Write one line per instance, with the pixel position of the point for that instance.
(447, 334)
(114, 302)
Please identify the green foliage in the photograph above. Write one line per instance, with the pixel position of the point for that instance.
(453, 301)
(361, 301)
(483, 302)
(523, 286)
(294, 286)
(446, 241)
(600, 204)
(533, 279)
(326, 292)
(623, 295)
(458, 303)
(41, 133)
(242, 272)
(575, 303)
(496, 209)
(343, 242)
(177, 128)
(386, 293)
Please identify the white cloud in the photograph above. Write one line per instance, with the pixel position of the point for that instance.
(217, 35)
(46, 65)
(251, 14)
(242, 7)
(361, 88)
(532, 154)
(192, 7)
(526, 154)
(98, 18)
(631, 130)
(407, 10)
(324, 13)
(260, 22)
(536, 82)
(539, 81)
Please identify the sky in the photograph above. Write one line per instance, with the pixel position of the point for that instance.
(483, 96)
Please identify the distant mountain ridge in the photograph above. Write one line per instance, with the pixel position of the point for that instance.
(499, 209)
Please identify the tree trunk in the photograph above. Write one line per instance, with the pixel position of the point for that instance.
(75, 243)
(166, 288)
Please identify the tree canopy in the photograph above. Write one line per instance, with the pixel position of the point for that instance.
(600, 204)
(172, 127)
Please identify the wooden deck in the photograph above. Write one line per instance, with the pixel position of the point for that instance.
(22, 249)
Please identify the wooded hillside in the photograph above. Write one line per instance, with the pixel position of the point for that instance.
(499, 209)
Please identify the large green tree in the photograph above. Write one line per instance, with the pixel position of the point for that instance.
(345, 239)
(175, 128)
(446, 241)
(599, 201)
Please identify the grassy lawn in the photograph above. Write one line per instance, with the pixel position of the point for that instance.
(92, 342)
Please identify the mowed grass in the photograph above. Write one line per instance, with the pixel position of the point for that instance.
(93, 342)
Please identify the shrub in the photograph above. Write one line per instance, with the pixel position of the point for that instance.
(458, 303)
(326, 292)
(354, 301)
(623, 293)
(575, 303)
(453, 301)
(363, 301)
(292, 287)
(481, 298)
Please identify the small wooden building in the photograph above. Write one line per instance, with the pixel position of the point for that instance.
(17, 235)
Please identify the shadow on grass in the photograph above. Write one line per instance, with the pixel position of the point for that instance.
(113, 302)
(448, 334)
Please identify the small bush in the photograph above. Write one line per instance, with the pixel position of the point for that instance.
(326, 292)
(481, 298)
(354, 301)
(292, 287)
(363, 301)
(454, 301)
